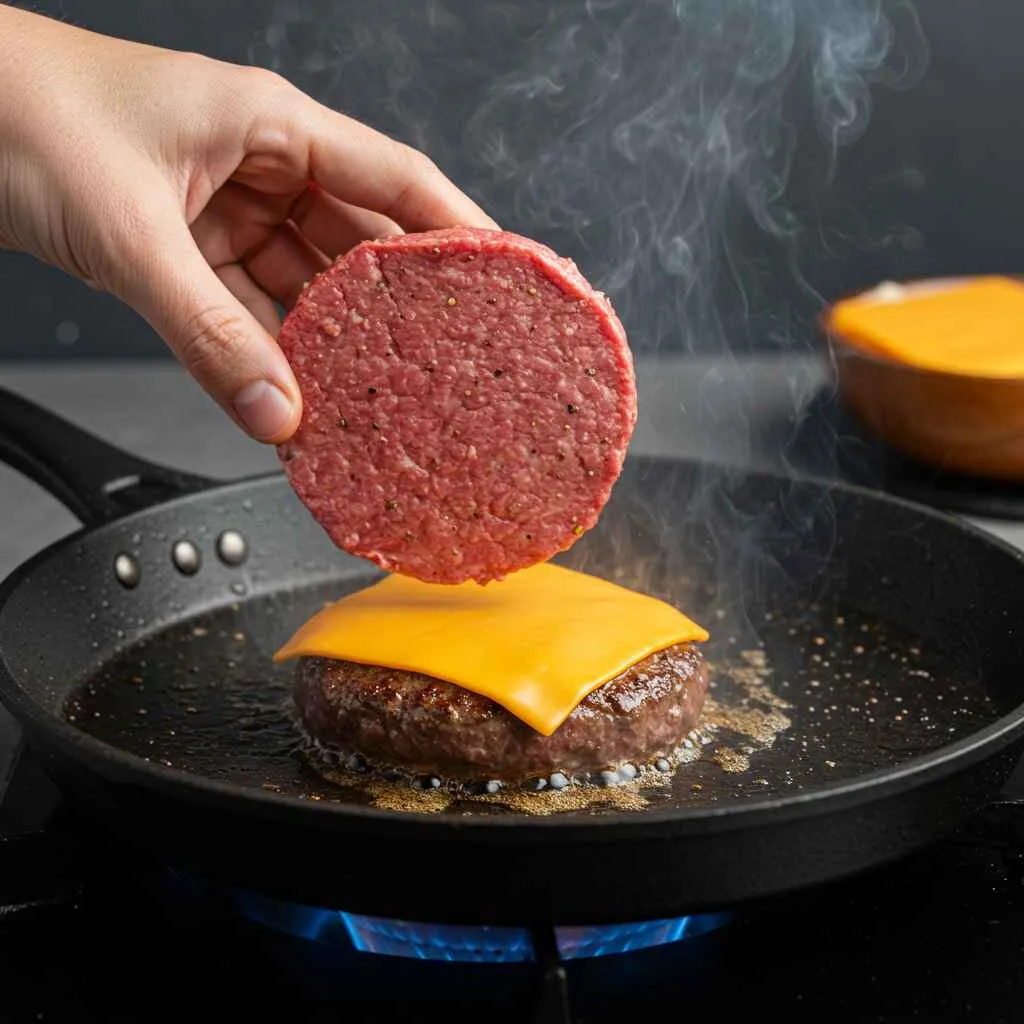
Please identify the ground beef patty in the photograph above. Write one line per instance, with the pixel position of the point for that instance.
(424, 726)
(468, 402)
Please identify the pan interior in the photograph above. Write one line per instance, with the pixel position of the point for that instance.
(848, 635)
(859, 695)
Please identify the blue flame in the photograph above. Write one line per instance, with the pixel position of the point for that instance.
(602, 940)
(463, 943)
(466, 944)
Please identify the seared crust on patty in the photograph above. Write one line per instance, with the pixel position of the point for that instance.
(423, 725)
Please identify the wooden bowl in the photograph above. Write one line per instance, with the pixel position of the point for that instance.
(972, 425)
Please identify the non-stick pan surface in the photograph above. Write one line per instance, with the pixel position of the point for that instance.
(867, 693)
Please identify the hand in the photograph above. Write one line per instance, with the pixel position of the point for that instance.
(198, 192)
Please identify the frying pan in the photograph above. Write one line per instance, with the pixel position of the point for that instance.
(136, 654)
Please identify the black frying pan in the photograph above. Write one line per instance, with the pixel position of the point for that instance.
(887, 635)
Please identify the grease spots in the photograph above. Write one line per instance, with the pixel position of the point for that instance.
(205, 697)
(753, 716)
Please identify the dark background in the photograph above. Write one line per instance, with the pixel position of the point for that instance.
(720, 166)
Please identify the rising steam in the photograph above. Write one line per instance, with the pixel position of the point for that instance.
(677, 150)
(660, 143)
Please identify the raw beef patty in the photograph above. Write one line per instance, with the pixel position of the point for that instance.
(468, 403)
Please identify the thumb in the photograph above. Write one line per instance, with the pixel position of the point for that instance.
(221, 344)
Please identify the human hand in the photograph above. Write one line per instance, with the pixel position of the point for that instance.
(198, 192)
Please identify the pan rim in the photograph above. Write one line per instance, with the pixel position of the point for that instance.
(120, 766)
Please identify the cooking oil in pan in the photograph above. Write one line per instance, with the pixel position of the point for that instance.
(803, 700)
(752, 716)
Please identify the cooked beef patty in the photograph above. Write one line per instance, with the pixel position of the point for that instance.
(425, 726)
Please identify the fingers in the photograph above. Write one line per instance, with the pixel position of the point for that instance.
(362, 167)
(295, 138)
(238, 220)
(283, 265)
(335, 227)
(222, 343)
(251, 295)
(243, 225)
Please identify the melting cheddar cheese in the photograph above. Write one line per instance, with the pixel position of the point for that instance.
(537, 642)
(970, 328)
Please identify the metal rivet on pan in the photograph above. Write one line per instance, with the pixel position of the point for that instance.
(186, 557)
(127, 571)
(232, 548)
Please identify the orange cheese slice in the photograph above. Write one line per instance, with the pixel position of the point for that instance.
(973, 327)
(537, 642)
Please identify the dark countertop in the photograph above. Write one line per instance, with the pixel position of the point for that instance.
(738, 411)
(155, 410)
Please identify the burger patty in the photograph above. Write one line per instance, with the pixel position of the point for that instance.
(468, 401)
(422, 725)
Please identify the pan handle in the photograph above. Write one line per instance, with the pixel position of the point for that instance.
(94, 480)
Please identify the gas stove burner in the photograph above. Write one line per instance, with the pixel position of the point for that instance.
(462, 943)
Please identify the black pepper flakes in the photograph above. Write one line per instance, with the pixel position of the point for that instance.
(498, 373)
(371, 391)
(375, 426)
(391, 504)
(590, 371)
(570, 408)
(342, 422)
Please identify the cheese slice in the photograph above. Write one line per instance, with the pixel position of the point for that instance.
(537, 642)
(971, 328)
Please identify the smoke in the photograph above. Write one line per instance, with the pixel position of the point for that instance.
(658, 140)
(674, 148)
(681, 152)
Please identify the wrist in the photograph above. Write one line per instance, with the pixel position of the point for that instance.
(36, 52)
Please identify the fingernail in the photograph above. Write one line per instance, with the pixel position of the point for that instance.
(264, 409)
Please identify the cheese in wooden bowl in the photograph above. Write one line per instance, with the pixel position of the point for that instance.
(936, 370)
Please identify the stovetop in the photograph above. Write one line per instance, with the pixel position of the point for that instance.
(774, 413)
(89, 932)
